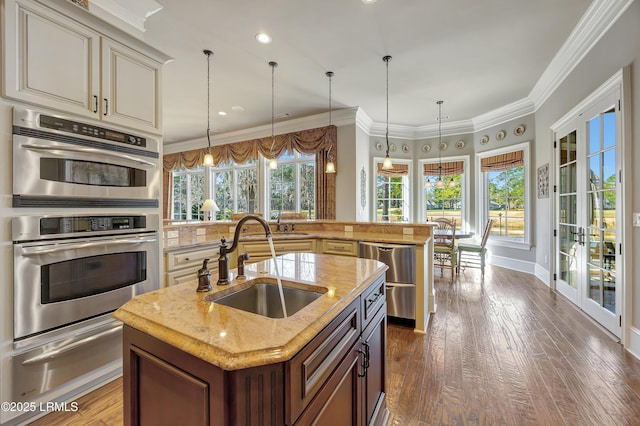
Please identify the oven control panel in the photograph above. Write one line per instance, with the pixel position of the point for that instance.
(70, 126)
(75, 224)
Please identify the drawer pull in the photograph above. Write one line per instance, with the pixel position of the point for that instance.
(373, 300)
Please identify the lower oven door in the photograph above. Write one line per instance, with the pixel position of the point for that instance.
(53, 363)
(61, 282)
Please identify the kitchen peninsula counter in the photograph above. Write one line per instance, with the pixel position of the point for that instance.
(233, 339)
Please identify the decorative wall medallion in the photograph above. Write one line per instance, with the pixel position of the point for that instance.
(519, 131)
(82, 3)
(426, 148)
(484, 140)
(543, 181)
(363, 188)
(392, 147)
(460, 144)
(443, 146)
(405, 148)
(501, 134)
(379, 146)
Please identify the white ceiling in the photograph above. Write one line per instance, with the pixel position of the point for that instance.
(475, 55)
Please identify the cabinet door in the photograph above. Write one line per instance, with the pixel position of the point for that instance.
(374, 342)
(130, 87)
(51, 60)
(338, 402)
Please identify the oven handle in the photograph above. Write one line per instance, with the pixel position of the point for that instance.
(71, 346)
(88, 151)
(34, 251)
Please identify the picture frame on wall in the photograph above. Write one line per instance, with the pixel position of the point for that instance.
(543, 181)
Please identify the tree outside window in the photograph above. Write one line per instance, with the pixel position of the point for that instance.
(234, 188)
(393, 194)
(188, 194)
(444, 202)
(507, 202)
(292, 185)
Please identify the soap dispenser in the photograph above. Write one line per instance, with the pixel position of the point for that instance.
(204, 277)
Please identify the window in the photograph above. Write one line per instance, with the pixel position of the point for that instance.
(393, 193)
(292, 186)
(505, 178)
(234, 188)
(447, 202)
(188, 193)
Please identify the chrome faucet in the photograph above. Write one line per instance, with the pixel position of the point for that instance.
(223, 260)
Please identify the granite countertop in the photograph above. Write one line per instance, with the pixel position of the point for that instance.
(234, 339)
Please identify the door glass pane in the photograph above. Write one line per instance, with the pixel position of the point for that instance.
(595, 178)
(594, 135)
(609, 168)
(595, 285)
(609, 120)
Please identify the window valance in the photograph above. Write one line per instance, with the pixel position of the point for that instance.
(397, 170)
(449, 168)
(501, 162)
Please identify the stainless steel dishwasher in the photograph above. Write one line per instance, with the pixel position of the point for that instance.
(401, 275)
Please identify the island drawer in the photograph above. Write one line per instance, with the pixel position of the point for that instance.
(371, 300)
(341, 247)
(309, 370)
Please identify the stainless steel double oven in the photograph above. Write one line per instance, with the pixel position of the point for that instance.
(75, 266)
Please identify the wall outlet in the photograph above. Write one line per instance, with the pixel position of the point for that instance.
(173, 234)
(407, 231)
(348, 228)
(172, 242)
(636, 219)
(201, 239)
(546, 259)
(201, 231)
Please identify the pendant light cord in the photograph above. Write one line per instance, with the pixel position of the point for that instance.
(330, 74)
(208, 53)
(273, 66)
(440, 140)
(386, 59)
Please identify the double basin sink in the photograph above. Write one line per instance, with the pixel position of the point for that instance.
(263, 298)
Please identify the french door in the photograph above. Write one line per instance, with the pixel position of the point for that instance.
(588, 211)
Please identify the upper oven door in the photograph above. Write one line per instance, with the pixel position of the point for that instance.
(59, 282)
(50, 168)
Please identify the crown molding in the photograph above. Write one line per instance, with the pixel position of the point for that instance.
(133, 13)
(341, 117)
(596, 21)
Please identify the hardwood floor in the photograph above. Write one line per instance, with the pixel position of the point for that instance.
(503, 351)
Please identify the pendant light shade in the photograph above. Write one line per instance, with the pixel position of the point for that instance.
(331, 166)
(273, 163)
(387, 163)
(208, 158)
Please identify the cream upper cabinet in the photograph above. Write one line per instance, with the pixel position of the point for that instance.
(54, 61)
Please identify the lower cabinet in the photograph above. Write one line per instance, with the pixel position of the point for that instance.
(338, 378)
(260, 250)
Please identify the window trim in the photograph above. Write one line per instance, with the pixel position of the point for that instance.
(188, 172)
(483, 204)
(466, 206)
(409, 191)
(234, 168)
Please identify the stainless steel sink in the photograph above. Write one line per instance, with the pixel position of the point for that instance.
(264, 299)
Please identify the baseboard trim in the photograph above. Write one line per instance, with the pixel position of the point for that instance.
(633, 346)
(515, 264)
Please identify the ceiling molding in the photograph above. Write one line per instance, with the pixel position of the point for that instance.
(341, 117)
(596, 21)
(132, 13)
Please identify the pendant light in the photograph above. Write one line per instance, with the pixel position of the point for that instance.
(208, 158)
(273, 163)
(331, 167)
(386, 163)
(440, 182)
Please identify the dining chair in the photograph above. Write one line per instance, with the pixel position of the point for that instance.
(473, 255)
(444, 248)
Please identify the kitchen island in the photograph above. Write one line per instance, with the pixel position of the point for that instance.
(191, 360)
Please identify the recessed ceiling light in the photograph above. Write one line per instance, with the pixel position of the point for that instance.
(368, 1)
(237, 108)
(263, 38)
(222, 113)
